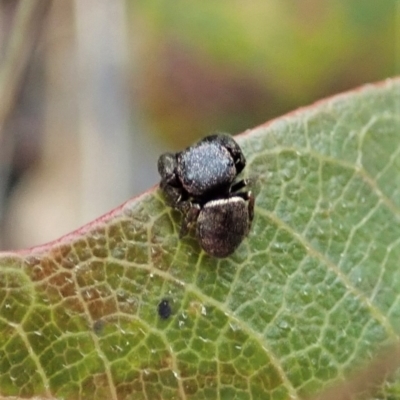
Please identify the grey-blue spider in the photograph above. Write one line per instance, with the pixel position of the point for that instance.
(200, 181)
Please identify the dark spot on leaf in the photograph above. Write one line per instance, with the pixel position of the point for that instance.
(98, 326)
(164, 309)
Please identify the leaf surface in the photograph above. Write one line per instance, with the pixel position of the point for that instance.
(307, 298)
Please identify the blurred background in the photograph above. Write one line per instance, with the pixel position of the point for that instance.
(94, 90)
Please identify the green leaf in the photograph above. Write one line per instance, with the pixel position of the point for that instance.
(307, 298)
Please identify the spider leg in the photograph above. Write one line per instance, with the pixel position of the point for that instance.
(172, 194)
(248, 196)
(191, 212)
(239, 185)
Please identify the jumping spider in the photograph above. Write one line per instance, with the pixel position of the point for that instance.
(200, 182)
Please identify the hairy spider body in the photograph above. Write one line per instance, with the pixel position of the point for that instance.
(200, 182)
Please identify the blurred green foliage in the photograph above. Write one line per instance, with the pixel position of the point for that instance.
(229, 65)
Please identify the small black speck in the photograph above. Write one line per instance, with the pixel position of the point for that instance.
(164, 309)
